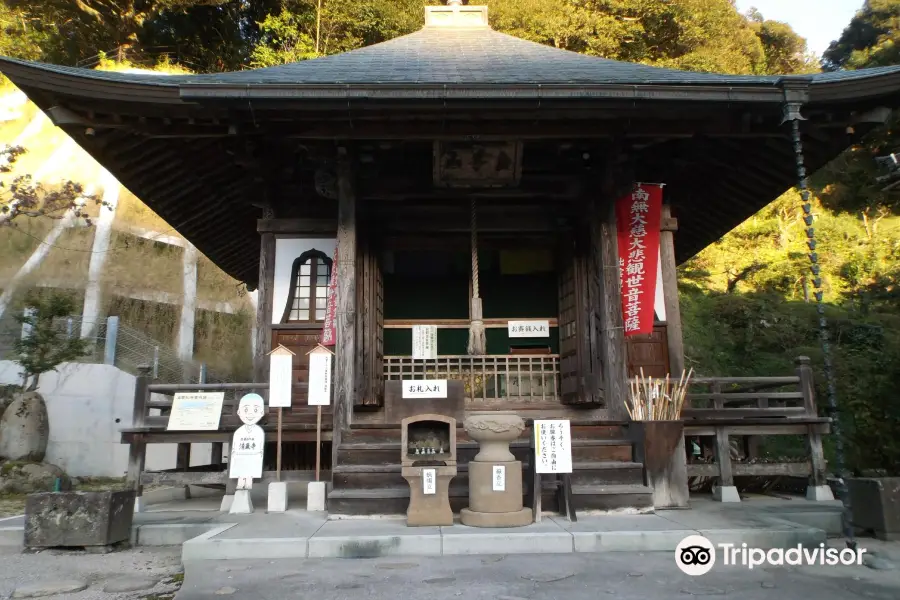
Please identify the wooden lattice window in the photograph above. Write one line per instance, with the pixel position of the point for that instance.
(308, 294)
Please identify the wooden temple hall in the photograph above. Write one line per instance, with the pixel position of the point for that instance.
(458, 163)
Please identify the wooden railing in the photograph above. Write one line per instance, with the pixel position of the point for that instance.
(749, 407)
(521, 378)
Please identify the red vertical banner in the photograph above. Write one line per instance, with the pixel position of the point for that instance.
(637, 223)
(328, 330)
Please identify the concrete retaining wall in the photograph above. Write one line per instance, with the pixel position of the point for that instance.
(88, 404)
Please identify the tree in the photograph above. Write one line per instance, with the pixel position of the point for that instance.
(25, 198)
(87, 27)
(850, 183)
(304, 29)
(871, 39)
(45, 345)
(785, 51)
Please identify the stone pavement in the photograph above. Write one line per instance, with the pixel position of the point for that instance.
(620, 575)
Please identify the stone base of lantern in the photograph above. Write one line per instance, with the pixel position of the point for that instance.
(429, 509)
(506, 519)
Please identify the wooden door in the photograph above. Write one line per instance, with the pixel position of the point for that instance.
(579, 383)
(650, 352)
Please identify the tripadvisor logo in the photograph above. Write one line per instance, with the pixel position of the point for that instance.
(696, 555)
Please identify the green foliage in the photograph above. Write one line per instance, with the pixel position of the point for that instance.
(849, 183)
(869, 40)
(759, 333)
(46, 345)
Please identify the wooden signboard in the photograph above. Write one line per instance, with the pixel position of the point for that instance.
(424, 388)
(551, 446)
(320, 359)
(281, 378)
(281, 366)
(196, 411)
(424, 342)
(528, 329)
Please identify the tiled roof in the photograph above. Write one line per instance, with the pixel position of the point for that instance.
(477, 56)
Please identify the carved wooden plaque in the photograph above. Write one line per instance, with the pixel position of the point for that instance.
(477, 164)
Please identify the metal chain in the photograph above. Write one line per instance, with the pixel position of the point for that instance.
(832, 409)
(474, 225)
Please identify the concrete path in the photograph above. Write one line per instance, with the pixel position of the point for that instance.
(299, 535)
(623, 575)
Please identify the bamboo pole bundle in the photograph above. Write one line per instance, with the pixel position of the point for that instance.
(657, 399)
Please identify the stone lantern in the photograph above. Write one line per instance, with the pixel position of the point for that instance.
(495, 476)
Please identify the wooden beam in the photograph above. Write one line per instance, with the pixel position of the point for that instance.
(345, 368)
(297, 226)
(669, 267)
(265, 298)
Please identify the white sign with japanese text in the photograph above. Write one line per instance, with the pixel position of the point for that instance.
(281, 369)
(499, 478)
(424, 342)
(247, 452)
(429, 482)
(196, 411)
(424, 388)
(528, 329)
(320, 378)
(552, 447)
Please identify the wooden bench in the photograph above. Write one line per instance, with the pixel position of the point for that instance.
(758, 406)
(152, 403)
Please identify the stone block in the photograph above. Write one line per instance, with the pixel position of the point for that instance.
(876, 505)
(277, 498)
(64, 519)
(429, 509)
(819, 493)
(508, 543)
(482, 496)
(315, 496)
(726, 493)
(242, 503)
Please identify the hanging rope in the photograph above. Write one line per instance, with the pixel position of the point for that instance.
(477, 342)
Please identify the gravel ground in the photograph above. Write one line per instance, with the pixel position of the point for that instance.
(18, 569)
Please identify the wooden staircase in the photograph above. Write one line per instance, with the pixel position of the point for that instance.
(367, 478)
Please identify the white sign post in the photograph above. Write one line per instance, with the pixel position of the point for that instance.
(320, 359)
(552, 446)
(281, 374)
(196, 411)
(528, 329)
(424, 388)
(424, 342)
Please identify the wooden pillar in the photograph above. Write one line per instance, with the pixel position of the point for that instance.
(670, 292)
(265, 293)
(612, 325)
(345, 367)
(818, 466)
(137, 449)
